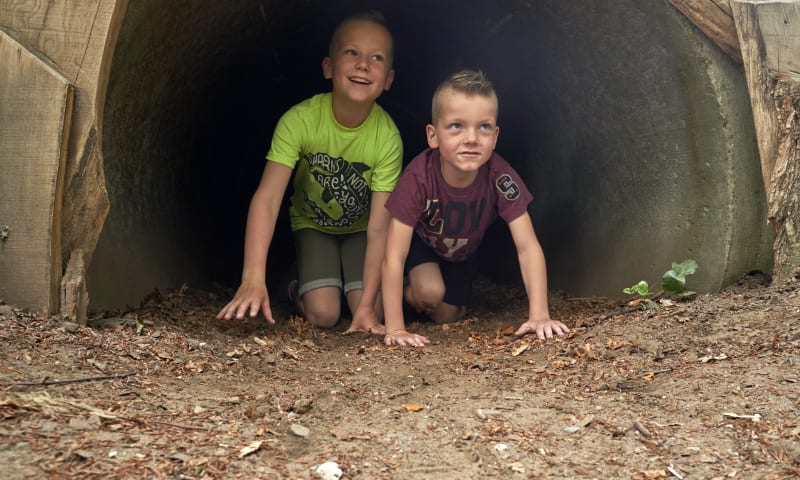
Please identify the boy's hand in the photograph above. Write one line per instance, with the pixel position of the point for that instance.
(404, 338)
(365, 320)
(248, 299)
(546, 328)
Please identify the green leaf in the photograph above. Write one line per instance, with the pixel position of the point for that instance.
(674, 281)
(642, 289)
(685, 268)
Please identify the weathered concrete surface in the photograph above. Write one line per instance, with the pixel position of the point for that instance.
(633, 131)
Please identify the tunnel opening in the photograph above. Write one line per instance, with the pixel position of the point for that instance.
(632, 131)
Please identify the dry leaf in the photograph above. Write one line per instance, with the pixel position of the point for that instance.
(520, 349)
(250, 448)
(612, 344)
(290, 353)
(413, 407)
(509, 330)
(652, 474)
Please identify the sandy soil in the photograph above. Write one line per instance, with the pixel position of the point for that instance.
(706, 388)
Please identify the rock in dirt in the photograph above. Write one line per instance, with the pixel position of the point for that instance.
(299, 430)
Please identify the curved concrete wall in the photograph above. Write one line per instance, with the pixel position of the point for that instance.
(633, 132)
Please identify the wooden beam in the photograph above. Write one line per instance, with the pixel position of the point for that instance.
(35, 113)
(715, 19)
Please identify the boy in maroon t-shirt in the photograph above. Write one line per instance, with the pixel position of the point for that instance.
(446, 199)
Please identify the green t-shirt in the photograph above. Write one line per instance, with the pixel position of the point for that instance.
(337, 168)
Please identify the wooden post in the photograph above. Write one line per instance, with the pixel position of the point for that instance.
(769, 35)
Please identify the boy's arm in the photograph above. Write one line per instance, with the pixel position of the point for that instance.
(398, 241)
(365, 319)
(262, 216)
(534, 275)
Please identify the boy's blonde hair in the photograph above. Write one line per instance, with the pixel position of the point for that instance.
(469, 82)
(372, 16)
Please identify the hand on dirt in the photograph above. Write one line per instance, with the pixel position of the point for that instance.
(543, 328)
(378, 329)
(365, 320)
(248, 300)
(404, 338)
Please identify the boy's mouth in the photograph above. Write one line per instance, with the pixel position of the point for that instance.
(360, 81)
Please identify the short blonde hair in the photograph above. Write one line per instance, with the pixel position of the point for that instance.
(469, 82)
(372, 16)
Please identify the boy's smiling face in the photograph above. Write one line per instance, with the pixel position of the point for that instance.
(465, 133)
(360, 62)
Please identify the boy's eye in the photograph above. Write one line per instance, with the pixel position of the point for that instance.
(378, 57)
(454, 126)
(350, 52)
(486, 126)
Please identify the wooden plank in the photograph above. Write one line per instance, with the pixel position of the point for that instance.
(35, 112)
(715, 20)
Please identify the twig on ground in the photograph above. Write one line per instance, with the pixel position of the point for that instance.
(185, 427)
(74, 380)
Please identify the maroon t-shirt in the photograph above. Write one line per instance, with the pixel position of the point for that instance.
(452, 221)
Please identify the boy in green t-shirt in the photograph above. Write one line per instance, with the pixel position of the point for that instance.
(347, 154)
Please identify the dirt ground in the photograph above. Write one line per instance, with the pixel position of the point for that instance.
(705, 388)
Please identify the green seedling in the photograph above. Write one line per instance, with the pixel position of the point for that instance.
(673, 284)
(642, 291)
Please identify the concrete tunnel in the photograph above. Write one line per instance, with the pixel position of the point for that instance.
(632, 130)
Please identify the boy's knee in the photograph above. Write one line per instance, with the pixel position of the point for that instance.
(324, 319)
(429, 294)
(448, 314)
(321, 314)
(321, 309)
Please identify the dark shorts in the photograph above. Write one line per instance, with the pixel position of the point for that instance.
(457, 276)
(326, 260)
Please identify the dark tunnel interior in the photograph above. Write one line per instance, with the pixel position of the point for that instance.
(194, 94)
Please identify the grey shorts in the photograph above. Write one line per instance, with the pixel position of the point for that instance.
(327, 260)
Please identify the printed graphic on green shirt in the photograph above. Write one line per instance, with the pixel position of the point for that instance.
(345, 193)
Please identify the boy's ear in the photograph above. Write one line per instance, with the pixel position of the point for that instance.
(389, 79)
(327, 71)
(430, 132)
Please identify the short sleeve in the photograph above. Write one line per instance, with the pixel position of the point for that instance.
(286, 143)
